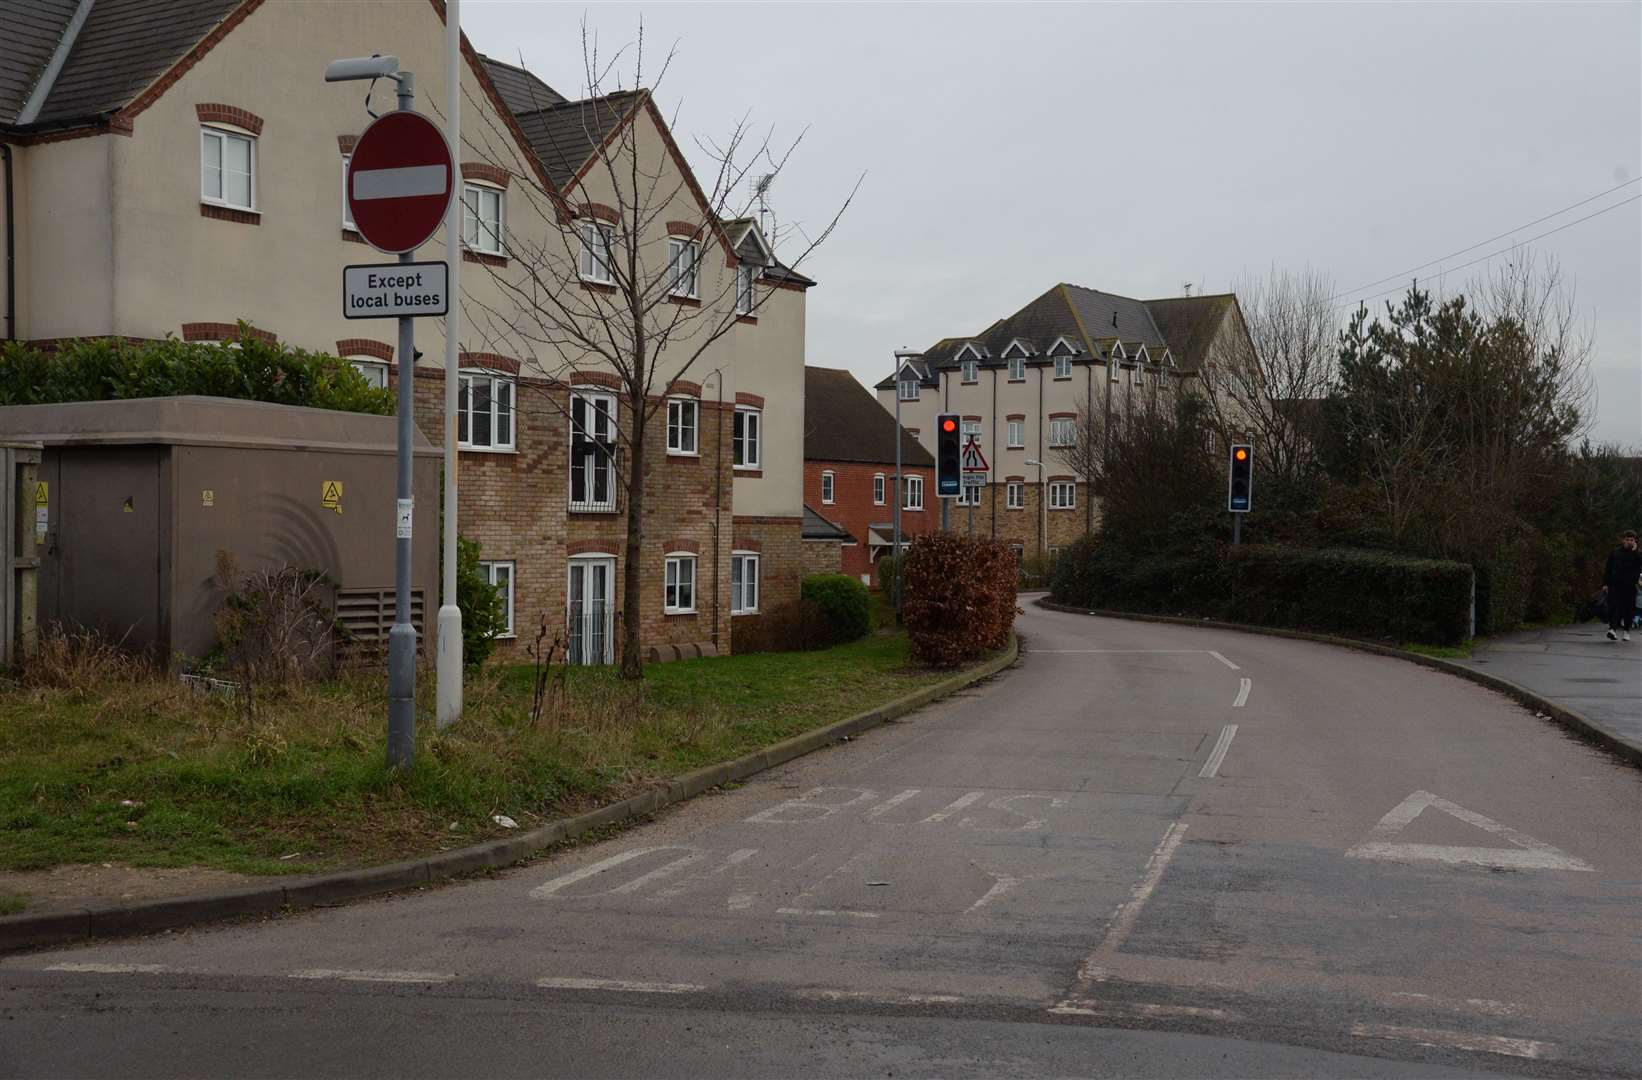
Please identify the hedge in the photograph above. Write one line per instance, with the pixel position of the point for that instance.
(1351, 592)
(957, 597)
(843, 604)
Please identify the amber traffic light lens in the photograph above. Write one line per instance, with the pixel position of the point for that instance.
(1241, 454)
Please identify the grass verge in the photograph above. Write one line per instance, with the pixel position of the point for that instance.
(146, 772)
(1462, 651)
(12, 903)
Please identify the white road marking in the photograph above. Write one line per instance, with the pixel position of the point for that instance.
(808, 803)
(1481, 1005)
(953, 807)
(1124, 918)
(826, 911)
(1529, 854)
(366, 975)
(733, 860)
(1243, 688)
(1223, 660)
(1117, 652)
(404, 182)
(891, 803)
(1001, 885)
(113, 969)
(740, 901)
(542, 892)
(1082, 1007)
(626, 985)
(1005, 805)
(644, 881)
(1456, 1040)
(1218, 755)
(880, 998)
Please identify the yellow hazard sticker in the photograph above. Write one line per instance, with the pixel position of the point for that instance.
(41, 493)
(330, 495)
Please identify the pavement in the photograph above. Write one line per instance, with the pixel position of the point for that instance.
(1149, 850)
(1576, 666)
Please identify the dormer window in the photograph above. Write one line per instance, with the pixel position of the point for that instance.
(971, 371)
(1063, 367)
(908, 388)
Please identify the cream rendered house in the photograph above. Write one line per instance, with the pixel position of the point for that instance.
(1021, 384)
(177, 166)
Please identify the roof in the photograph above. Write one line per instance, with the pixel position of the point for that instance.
(1190, 324)
(844, 422)
(564, 136)
(520, 90)
(120, 49)
(817, 527)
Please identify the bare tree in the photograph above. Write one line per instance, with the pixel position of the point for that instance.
(621, 267)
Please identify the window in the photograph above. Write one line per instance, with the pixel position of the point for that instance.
(1111, 368)
(681, 426)
(1063, 431)
(1063, 367)
(744, 276)
(971, 371)
(1017, 434)
(826, 487)
(878, 489)
(1015, 495)
(482, 218)
(1017, 369)
(681, 585)
(595, 262)
(592, 452)
(1138, 375)
(499, 576)
(347, 213)
(908, 389)
(1020, 556)
(228, 168)
(744, 442)
(915, 493)
(377, 374)
(484, 412)
(1208, 440)
(683, 269)
(1062, 494)
(743, 583)
(968, 496)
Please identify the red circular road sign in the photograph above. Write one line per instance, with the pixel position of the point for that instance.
(399, 181)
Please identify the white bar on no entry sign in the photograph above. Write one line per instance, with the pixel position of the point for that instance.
(402, 183)
(387, 290)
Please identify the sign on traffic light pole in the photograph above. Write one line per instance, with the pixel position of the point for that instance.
(1240, 486)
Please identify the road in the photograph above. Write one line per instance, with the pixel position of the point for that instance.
(1147, 851)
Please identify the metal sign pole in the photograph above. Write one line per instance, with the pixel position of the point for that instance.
(402, 638)
(448, 669)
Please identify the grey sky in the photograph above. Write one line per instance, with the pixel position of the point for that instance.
(1133, 148)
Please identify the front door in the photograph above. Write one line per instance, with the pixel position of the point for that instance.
(591, 610)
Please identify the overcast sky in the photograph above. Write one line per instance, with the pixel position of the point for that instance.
(1134, 148)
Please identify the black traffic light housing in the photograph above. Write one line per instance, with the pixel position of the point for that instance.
(1240, 481)
(948, 454)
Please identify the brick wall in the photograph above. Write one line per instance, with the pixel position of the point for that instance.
(823, 557)
(853, 510)
(1024, 526)
(779, 543)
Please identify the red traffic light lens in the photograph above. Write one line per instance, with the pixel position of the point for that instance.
(949, 425)
(1241, 454)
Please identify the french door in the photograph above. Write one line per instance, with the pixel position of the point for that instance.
(591, 604)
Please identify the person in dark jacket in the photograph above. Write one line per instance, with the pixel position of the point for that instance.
(1619, 582)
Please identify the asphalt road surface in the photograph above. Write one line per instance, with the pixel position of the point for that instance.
(1147, 851)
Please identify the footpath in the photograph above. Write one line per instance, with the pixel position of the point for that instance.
(1576, 666)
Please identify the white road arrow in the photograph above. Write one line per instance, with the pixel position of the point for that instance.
(1529, 854)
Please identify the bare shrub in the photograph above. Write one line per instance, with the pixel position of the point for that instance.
(274, 625)
(82, 660)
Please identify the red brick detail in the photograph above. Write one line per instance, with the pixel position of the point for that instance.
(1014, 479)
(1063, 416)
(599, 287)
(755, 400)
(750, 474)
(684, 387)
(751, 519)
(681, 543)
(490, 362)
(222, 331)
(854, 511)
(352, 236)
(345, 143)
(975, 418)
(684, 301)
(228, 213)
(381, 350)
(591, 547)
(747, 320)
(485, 171)
(748, 545)
(690, 229)
(124, 120)
(1053, 479)
(483, 258)
(1015, 416)
(595, 378)
(215, 113)
(600, 211)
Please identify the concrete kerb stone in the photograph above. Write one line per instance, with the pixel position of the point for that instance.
(26, 931)
(1576, 722)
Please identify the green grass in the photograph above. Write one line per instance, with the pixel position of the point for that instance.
(1462, 651)
(12, 903)
(147, 773)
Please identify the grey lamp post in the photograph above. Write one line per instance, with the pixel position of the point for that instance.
(901, 358)
(1043, 506)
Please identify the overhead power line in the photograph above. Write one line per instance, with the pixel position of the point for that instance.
(1526, 225)
(1501, 251)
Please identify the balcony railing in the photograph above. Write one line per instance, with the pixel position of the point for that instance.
(592, 633)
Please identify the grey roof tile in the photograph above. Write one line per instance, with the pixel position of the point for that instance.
(521, 91)
(31, 30)
(817, 527)
(844, 422)
(564, 136)
(1190, 323)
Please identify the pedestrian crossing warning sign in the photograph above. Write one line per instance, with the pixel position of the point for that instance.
(330, 495)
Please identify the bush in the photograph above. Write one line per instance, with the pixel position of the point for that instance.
(888, 567)
(958, 598)
(844, 606)
(484, 612)
(796, 626)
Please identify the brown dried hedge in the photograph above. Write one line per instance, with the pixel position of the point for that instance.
(958, 599)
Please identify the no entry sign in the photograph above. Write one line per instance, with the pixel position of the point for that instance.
(399, 181)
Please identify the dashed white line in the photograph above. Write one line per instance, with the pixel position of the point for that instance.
(368, 975)
(1243, 688)
(1218, 755)
(881, 998)
(113, 969)
(1481, 1005)
(827, 912)
(1082, 1007)
(1124, 918)
(1456, 1040)
(626, 985)
(1223, 660)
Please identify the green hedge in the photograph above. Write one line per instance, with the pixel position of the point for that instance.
(1355, 593)
(113, 369)
(843, 604)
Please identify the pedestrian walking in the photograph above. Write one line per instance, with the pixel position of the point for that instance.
(1619, 580)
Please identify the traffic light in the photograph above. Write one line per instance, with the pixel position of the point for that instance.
(1240, 483)
(948, 455)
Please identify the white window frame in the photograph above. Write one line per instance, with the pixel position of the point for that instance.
(904, 385)
(602, 418)
(674, 583)
(374, 370)
(829, 486)
(1063, 367)
(971, 371)
(914, 486)
(466, 381)
(745, 275)
(489, 567)
(1063, 431)
(347, 212)
(683, 439)
(741, 590)
(1015, 495)
(481, 242)
(1063, 495)
(1017, 369)
(682, 283)
(223, 134)
(1015, 438)
(880, 488)
(968, 496)
(751, 423)
(589, 265)
(1137, 375)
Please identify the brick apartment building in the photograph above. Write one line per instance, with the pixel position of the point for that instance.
(1021, 384)
(849, 470)
(178, 165)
